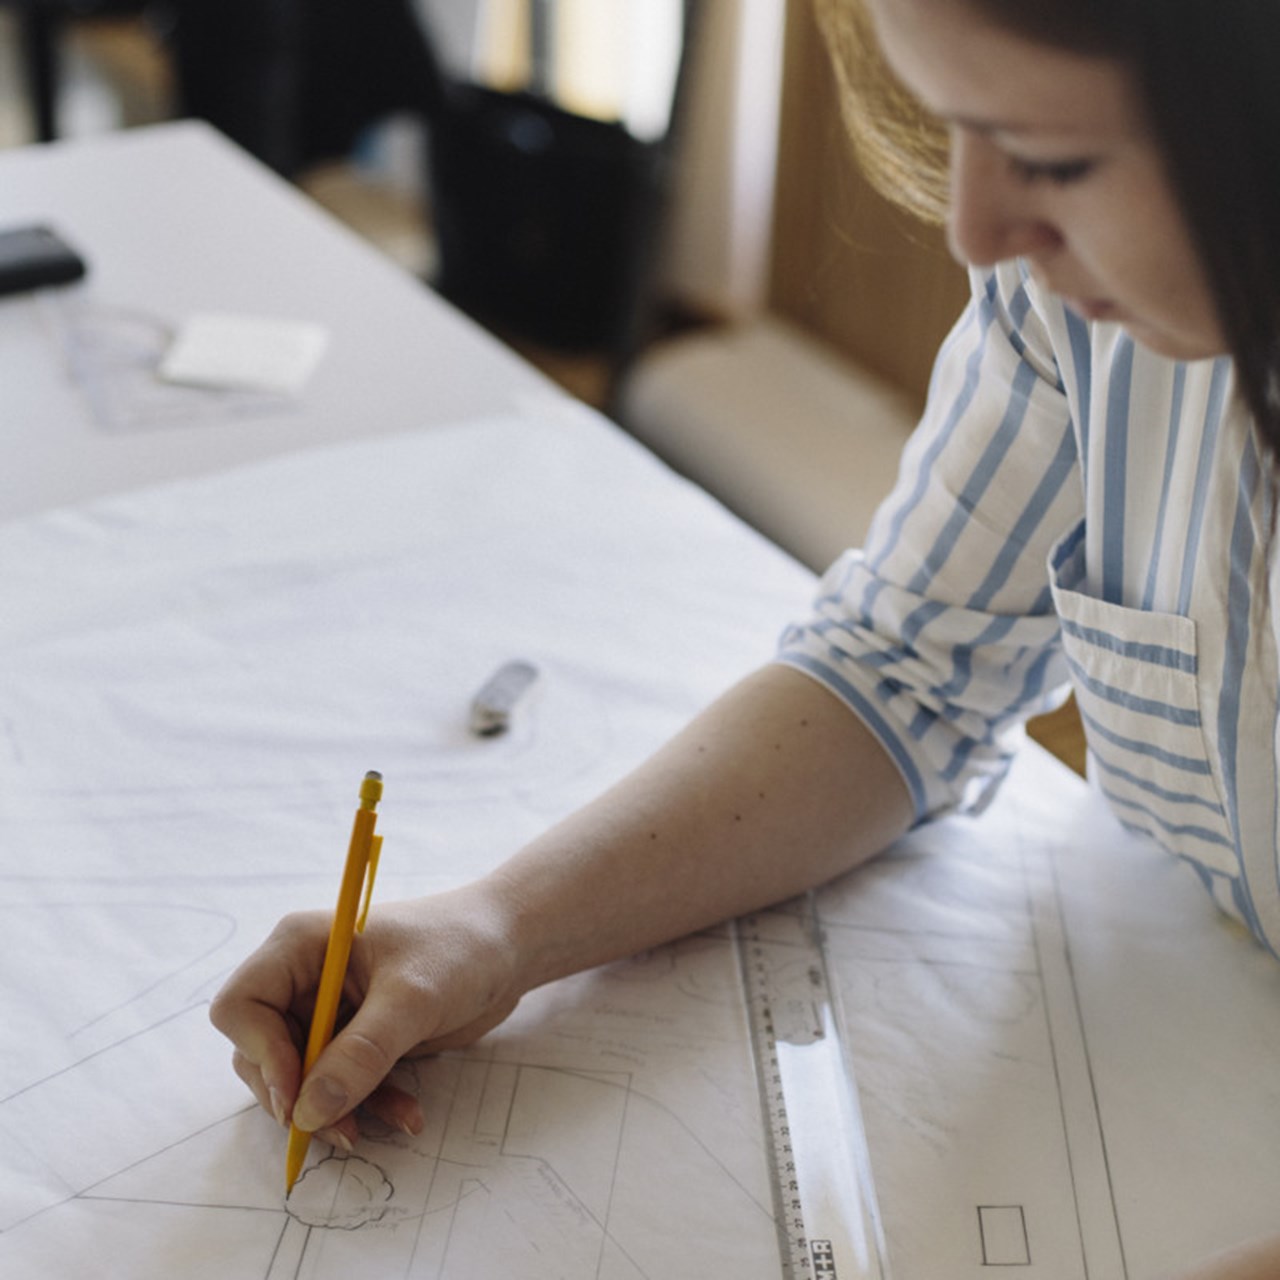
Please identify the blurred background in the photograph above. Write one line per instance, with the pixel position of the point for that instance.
(759, 209)
(653, 200)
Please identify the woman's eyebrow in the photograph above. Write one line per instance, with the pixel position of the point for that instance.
(1014, 128)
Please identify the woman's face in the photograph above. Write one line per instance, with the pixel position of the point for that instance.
(1051, 162)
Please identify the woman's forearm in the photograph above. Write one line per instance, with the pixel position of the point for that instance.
(774, 788)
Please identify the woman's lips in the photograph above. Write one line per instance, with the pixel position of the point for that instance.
(1089, 308)
(1093, 308)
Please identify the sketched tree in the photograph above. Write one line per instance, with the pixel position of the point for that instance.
(341, 1192)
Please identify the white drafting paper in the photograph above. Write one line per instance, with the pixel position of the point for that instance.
(192, 682)
(1062, 1052)
(1060, 1045)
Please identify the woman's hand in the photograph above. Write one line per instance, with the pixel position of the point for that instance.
(425, 975)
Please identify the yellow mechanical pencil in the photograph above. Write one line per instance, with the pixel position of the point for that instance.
(348, 920)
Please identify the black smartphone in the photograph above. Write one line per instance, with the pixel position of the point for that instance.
(34, 256)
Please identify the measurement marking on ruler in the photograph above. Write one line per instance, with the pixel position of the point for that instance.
(824, 1201)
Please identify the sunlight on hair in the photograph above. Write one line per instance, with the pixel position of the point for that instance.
(901, 148)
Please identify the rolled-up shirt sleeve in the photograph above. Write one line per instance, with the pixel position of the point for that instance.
(940, 632)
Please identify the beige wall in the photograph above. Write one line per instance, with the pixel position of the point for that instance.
(847, 266)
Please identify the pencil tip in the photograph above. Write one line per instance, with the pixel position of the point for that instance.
(295, 1157)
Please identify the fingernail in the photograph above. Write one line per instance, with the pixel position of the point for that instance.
(410, 1128)
(336, 1138)
(277, 1107)
(323, 1100)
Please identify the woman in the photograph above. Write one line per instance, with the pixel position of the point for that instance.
(1089, 498)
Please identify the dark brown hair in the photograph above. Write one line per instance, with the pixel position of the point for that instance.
(1206, 70)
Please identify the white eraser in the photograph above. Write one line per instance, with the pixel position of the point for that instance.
(244, 352)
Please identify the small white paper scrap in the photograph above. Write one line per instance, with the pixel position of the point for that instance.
(244, 352)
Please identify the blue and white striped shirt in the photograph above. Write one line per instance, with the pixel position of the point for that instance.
(1074, 509)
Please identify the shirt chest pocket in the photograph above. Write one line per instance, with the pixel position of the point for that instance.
(1135, 675)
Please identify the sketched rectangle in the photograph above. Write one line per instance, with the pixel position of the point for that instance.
(1003, 1228)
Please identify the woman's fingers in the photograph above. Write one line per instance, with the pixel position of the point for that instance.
(260, 1007)
(386, 1026)
(396, 1108)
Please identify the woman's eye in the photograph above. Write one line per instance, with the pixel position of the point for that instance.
(1059, 172)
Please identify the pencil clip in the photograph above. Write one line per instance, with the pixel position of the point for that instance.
(375, 852)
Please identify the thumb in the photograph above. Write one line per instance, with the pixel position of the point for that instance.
(354, 1063)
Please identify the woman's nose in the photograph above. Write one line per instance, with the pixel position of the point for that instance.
(993, 216)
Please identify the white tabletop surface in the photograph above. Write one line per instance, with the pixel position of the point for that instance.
(174, 220)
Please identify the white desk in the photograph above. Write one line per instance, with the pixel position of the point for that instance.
(175, 220)
(1066, 1058)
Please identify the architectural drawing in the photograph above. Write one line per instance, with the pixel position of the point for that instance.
(979, 1115)
(193, 681)
(1021, 993)
(610, 1130)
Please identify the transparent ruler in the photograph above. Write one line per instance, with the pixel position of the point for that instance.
(829, 1225)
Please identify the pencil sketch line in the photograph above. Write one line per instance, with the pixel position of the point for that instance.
(1054, 1058)
(302, 1253)
(505, 1130)
(611, 1079)
(275, 1253)
(85, 1193)
(1069, 962)
(174, 1204)
(945, 935)
(232, 928)
(606, 1235)
(469, 1188)
(666, 1110)
(912, 931)
(337, 1188)
(97, 1053)
(169, 1146)
(435, 1169)
(607, 1079)
(62, 1182)
(613, 1183)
